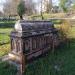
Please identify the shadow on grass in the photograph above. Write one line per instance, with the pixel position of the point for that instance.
(7, 69)
(61, 62)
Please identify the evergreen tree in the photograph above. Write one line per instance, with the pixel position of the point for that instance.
(21, 9)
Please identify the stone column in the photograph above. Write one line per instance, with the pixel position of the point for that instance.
(22, 59)
(30, 43)
(22, 66)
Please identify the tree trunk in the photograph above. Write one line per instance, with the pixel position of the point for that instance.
(9, 17)
(42, 15)
(41, 11)
(21, 17)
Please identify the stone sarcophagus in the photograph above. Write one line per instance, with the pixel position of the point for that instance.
(30, 39)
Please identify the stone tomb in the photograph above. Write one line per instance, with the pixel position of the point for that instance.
(30, 39)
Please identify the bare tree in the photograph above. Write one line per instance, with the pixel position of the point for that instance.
(30, 5)
(48, 6)
(41, 10)
(10, 7)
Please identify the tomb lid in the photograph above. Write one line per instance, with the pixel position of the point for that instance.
(30, 26)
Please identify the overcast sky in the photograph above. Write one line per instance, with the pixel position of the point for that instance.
(55, 2)
(1, 5)
(2, 1)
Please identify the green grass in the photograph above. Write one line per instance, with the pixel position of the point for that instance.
(62, 62)
(6, 30)
(7, 69)
(4, 49)
(4, 38)
(73, 32)
(63, 58)
(46, 16)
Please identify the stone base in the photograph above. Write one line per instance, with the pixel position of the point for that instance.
(14, 57)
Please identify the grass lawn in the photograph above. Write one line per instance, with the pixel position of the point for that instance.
(4, 49)
(47, 16)
(4, 38)
(6, 30)
(62, 62)
(7, 69)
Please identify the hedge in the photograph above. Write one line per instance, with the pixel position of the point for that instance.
(7, 24)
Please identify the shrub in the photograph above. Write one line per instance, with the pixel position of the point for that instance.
(65, 29)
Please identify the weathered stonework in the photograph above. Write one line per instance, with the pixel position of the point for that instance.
(31, 39)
